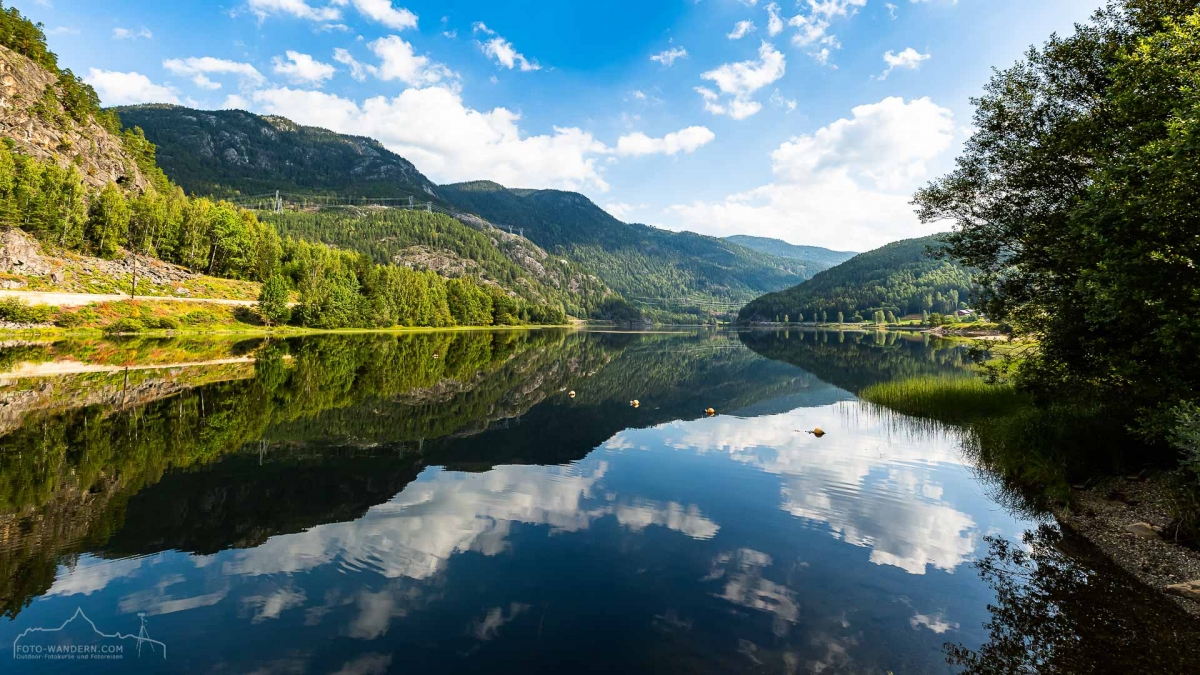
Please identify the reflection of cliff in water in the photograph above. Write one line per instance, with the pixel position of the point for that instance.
(855, 359)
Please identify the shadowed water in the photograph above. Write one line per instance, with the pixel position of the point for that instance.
(440, 503)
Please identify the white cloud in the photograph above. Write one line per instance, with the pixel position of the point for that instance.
(774, 20)
(741, 29)
(198, 68)
(358, 70)
(622, 211)
(779, 101)
(909, 59)
(383, 12)
(685, 140)
(739, 81)
(669, 56)
(450, 142)
(848, 184)
(131, 34)
(399, 62)
(812, 30)
(117, 88)
(502, 51)
(297, 8)
(303, 68)
(63, 30)
(891, 9)
(205, 83)
(235, 102)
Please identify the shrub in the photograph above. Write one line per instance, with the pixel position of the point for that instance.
(14, 310)
(69, 320)
(166, 323)
(126, 325)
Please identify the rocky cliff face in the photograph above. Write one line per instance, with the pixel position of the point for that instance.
(51, 135)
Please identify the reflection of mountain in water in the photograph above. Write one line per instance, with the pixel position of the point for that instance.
(345, 423)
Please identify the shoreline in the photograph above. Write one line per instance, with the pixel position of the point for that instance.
(1109, 514)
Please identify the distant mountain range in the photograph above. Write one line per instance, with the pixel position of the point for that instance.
(900, 278)
(669, 275)
(782, 249)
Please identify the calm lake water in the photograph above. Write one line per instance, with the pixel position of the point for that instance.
(439, 503)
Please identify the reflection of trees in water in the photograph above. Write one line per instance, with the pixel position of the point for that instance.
(70, 479)
(852, 360)
(1062, 607)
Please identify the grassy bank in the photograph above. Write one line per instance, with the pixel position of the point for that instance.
(152, 316)
(1035, 452)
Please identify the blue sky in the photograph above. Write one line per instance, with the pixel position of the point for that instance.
(810, 121)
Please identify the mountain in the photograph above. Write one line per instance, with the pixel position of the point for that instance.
(782, 249)
(675, 272)
(228, 152)
(53, 117)
(448, 246)
(899, 278)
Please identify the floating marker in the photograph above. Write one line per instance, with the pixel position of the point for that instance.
(710, 412)
(571, 394)
(635, 403)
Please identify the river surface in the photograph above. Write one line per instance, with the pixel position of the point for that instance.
(427, 503)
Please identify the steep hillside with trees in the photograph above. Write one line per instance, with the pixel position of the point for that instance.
(439, 243)
(139, 211)
(680, 272)
(814, 255)
(229, 152)
(900, 278)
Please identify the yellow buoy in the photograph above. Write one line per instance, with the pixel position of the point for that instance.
(635, 403)
(818, 432)
(710, 412)
(571, 394)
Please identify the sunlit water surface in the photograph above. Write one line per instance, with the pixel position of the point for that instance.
(440, 503)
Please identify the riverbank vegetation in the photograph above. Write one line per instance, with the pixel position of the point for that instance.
(1075, 201)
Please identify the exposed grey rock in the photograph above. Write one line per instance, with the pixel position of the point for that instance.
(1189, 589)
(21, 254)
(99, 155)
(1143, 530)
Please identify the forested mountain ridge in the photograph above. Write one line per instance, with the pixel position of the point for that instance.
(441, 244)
(899, 278)
(230, 152)
(782, 249)
(677, 272)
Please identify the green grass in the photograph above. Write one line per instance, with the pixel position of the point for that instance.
(949, 399)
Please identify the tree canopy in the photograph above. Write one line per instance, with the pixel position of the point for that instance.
(1076, 201)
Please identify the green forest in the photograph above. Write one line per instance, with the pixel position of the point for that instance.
(404, 237)
(898, 279)
(336, 288)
